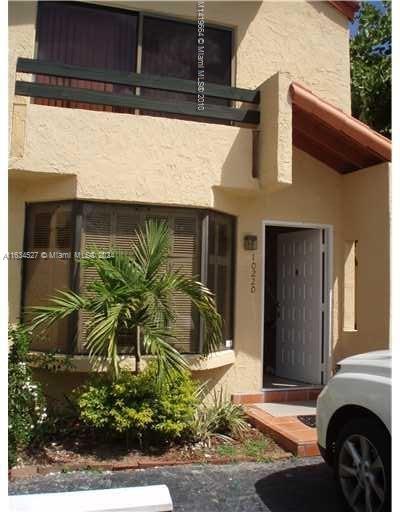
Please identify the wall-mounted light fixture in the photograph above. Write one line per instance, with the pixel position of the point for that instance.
(250, 242)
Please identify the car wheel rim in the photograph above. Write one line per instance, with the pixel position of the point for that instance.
(361, 474)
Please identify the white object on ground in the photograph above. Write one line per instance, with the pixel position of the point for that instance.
(151, 498)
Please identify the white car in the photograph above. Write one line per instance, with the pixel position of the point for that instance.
(354, 430)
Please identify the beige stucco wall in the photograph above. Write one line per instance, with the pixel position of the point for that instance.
(136, 158)
(274, 159)
(63, 153)
(21, 39)
(367, 220)
(308, 40)
(356, 206)
(314, 197)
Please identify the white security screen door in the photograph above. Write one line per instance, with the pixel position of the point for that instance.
(299, 294)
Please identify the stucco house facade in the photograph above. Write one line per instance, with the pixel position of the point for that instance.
(276, 197)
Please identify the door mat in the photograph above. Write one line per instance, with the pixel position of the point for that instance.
(309, 420)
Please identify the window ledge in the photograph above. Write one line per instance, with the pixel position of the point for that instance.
(198, 363)
(81, 363)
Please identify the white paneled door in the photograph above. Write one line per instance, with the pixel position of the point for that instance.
(299, 294)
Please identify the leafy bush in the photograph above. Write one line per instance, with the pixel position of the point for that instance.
(26, 404)
(220, 418)
(137, 406)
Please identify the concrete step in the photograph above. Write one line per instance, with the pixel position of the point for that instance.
(278, 395)
(287, 431)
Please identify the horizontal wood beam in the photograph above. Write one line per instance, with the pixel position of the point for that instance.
(321, 153)
(186, 108)
(338, 143)
(164, 83)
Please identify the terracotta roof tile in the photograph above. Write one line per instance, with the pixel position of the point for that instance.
(331, 135)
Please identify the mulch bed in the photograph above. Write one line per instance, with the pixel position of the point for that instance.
(87, 452)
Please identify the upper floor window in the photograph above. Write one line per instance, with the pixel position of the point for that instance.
(93, 37)
(108, 38)
(169, 48)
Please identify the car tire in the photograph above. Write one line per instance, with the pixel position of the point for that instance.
(362, 465)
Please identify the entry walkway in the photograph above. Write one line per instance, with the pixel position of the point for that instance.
(290, 424)
(285, 414)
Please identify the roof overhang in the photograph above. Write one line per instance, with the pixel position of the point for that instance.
(349, 9)
(332, 136)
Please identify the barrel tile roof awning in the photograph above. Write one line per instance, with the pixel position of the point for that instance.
(334, 137)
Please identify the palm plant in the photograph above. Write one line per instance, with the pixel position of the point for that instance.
(219, 418)
(134, 294)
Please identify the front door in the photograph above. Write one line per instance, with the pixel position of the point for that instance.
(299, 296)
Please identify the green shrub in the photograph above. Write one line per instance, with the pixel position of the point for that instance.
(220, 418)
(26, 404)
(136, 406)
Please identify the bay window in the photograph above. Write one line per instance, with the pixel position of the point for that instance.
(202, 245)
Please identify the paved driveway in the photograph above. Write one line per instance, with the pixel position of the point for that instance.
(296, 485)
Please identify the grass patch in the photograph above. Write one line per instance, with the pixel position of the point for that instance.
(227, 450)
(256, 448)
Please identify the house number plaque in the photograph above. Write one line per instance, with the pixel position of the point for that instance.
(253, 273)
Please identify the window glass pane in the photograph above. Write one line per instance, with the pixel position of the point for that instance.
(211, 276)
(86, 36)
(222, 239)
(170, 49)
(222, 291)
(211, 235)
(218, 55)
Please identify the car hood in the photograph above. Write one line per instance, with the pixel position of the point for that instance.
(379, 362)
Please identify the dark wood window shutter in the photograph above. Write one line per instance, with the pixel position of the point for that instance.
(185, 257)
(41, 230)
(127, 220)
(50, 233)
(64, 230)
(220, 268)
(96, 234)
